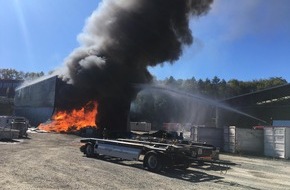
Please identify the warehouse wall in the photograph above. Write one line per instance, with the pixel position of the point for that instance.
(36, 101)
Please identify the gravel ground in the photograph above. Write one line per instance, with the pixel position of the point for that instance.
(53, 161)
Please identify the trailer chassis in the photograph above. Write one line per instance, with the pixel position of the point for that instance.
(156, 156)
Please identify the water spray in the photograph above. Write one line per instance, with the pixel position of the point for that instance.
(196, 97)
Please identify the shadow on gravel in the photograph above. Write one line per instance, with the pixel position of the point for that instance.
(190, 175)
(9, 140)
(14, 140)
(25, 138)
(234, 184)
(187, 175)
(213, 167)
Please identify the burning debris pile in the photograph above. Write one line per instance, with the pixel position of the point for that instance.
(72, 120)
(120, 40)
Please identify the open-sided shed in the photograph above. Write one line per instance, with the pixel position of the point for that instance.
(268, 105)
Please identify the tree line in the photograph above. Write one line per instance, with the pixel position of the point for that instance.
(217, 88)
(13, 74)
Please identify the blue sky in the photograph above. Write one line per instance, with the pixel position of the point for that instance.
(244, 40)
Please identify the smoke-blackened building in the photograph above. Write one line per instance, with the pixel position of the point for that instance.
(37, 100)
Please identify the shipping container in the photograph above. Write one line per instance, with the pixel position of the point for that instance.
(242, 140)
(277, 142)
(249, 141)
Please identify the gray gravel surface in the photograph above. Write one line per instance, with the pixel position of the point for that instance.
(53, 161)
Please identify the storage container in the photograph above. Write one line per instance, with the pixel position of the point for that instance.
(277, 142)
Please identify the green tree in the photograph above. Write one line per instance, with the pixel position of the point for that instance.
(19, 75)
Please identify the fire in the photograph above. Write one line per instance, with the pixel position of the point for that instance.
(65, 121)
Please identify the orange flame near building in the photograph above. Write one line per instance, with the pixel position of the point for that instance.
(67, 121)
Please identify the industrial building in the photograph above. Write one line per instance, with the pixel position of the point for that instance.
(37, 101)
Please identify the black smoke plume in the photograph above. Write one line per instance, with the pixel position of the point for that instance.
(120, 40)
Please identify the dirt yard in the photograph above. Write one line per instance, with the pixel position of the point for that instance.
(53, 161)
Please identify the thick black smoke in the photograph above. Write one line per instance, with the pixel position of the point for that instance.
(120, 40)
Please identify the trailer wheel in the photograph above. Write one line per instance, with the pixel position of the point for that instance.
(153, 161)
(89, 150)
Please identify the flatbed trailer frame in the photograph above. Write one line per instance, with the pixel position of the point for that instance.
(156, 155)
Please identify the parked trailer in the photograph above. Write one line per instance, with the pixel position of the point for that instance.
(16, 123)
(156, 156)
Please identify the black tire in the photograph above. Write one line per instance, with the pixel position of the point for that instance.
(89, 151)
(153, 161)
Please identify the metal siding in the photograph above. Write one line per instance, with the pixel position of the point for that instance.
(268, 141)
(36, 101)
(41, 94)
(249, 141)
(287, 143)
(35, 115)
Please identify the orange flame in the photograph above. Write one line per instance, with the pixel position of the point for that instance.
(65, 121)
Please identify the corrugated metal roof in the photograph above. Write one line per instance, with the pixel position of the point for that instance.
(268, 94)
